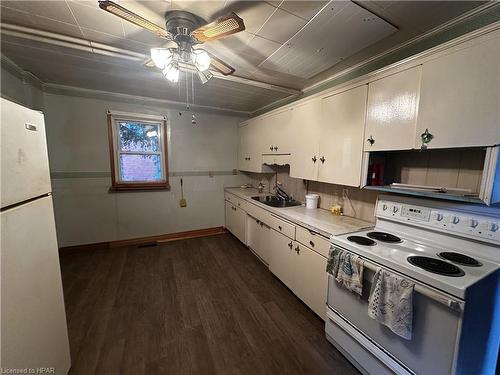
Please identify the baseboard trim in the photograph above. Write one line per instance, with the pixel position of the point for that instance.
(162, 238)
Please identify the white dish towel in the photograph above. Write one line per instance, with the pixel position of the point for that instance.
(391, 302)
(347, 269)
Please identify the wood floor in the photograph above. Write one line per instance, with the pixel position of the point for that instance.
(198, 306)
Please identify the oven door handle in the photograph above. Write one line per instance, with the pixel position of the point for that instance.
(451, 303)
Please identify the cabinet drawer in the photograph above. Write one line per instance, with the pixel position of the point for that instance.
(234, 200)
(258, 213)
(313, 241)
(282, 226)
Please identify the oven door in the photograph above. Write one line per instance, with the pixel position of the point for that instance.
(436, 329)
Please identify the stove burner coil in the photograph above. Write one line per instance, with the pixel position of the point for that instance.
(436, 266)
(361, 240)
(384, 237)
(458, 258)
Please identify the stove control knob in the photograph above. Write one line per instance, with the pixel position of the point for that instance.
(473, 223)
(384, 207)
(438, 216)
(454, 219)
(488, 226)
(395, 209)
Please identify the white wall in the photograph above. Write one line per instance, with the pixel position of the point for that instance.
(79, 161)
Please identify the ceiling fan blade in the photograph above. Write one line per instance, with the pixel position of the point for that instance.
(220, 65)
(118, 10)
(221, 27)
(149, 63)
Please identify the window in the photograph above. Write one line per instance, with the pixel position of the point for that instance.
(138, 151)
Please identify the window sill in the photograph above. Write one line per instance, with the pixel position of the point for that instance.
(144, 187)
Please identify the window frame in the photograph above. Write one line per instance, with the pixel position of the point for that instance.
(114, 151)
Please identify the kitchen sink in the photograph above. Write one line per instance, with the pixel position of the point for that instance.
(273, 201)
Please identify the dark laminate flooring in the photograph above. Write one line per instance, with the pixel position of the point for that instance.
(197, 306)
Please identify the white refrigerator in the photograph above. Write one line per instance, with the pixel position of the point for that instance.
(33, 331)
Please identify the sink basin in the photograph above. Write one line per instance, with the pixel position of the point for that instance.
(272, 201)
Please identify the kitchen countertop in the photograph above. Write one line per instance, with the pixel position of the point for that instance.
(318, 220)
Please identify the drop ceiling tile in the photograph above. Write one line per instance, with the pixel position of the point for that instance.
(261, 48)
(138, 34)
(115, 41)
(281, 26)
(209, 10)
(96, 19)
(254, 13)
(303, 9)
(57, 10)
(16, 17)
(315, 48)
(54, 26)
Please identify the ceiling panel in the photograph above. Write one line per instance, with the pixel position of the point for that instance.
(281, 26)
(303, 9)
(323, 42)
(96, 19)
(268, 25)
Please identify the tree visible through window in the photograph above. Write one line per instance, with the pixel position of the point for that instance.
(138, 153)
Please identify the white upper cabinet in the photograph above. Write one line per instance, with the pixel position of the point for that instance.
(460, 97)
(250, 147)
(392, 111)
(305, 133)
(341, 138)
(277, 133)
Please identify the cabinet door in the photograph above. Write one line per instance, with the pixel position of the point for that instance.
(281, 257)
(460, 97)
(305, 130)
(310, 278)
(250, 147)
(392, 111)
(275, 133)
(229, 215)
(236, 221)
(240, 225)
(243, 155)
(341, 143)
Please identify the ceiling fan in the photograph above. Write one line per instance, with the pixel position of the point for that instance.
(187, 31)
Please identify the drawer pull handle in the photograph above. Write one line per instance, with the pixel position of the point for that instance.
(311, 243)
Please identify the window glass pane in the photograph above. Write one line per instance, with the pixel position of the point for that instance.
(140, 167)
(136, 136)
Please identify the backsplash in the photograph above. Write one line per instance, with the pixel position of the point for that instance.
(359, 203)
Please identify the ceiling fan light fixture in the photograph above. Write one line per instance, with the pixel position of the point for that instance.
(171, 72)
(161, 57)
(204, 76)
(201, 59)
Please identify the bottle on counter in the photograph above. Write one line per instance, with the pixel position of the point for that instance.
(336, 207)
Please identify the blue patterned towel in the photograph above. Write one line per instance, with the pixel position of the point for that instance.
(391, 302)
(347, 269)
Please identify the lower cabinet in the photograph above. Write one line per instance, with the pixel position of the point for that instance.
(258, 235)
(310, 278)
(281, 258)
(236, 221)
(300, 269)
